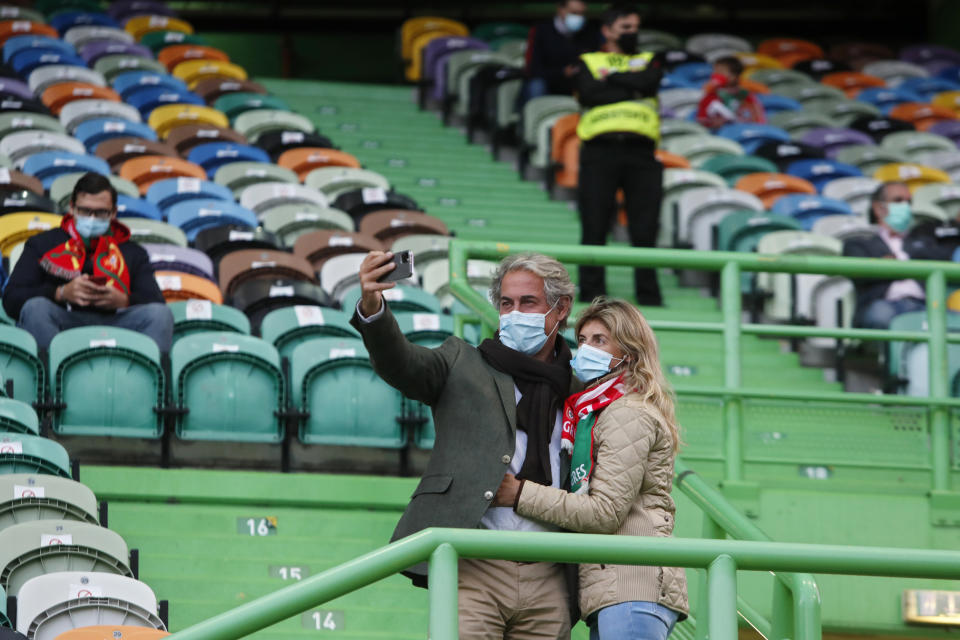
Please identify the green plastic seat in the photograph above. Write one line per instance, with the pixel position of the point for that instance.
(19, 362)
(347, 403)
(232, 386)
(62, 188)
(251, 124)
(914, 143)
(144, 230)
(869, 157)
(944, 196)
(812, 95)
(492, 30)
(778, 79)
(542, 108)
(233, 104)
(742, 230)
(160, 39)
(731, 168)
(843, 112)
(27, 497)
(540, 157)
(332, 181)
(425, 248)
(697, 149)
(32, 549)
(4, 619)
(797, 123)
(462, 66)
(18, 417)
(237, 176)
(113, 65)
(654, 40)
(195, 316)
(289, 327)
(23, 453)
(673, 127)
(513, 48)
(290, 221)
(13, 12)
(110, 381)
(401, 298)
(13, 121)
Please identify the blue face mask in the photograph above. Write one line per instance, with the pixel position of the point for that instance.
(525, 332)
(899, 216)
(591, 363)
(91, 226)
(573, 22)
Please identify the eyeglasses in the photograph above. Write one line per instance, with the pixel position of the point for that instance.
(96, 213)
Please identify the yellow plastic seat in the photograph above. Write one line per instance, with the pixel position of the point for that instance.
(758, 61)
(168, 117)
(140, 26)
(18, 227)
(915, 175)
(416, 33)
(948, 100)
(193, 72)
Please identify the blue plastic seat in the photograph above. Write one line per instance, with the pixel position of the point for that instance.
(751, 136)
(821, 171)
(885, 98)
(108, 381)
(46, 166)
(166, 193)
(19, 362)
(671, 81)
(694, 74)
(194, 216)
(807, 209)
(132, 82)
(213, 155)
(93, 132)
(773, 103)
(26, 60)
(64, 20)
(926, 88)
(25, 43)
(128, 207)
(148, 99)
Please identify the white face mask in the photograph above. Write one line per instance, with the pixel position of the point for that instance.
(525, 332)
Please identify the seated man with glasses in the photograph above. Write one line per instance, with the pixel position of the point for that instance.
(86, 273)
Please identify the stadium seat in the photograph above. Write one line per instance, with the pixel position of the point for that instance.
(852, 82)
(193, 216)
(80, 36)
(751, 136)
(74, 113)
(672, 128)
(416, 33)
(389, 225)
(21, 201)
(773, 103)
(277, 141)
(768, 187)
(159, 40)
(237, 176)
(112, 66)
(174, 54)
(289, 327)
(812, 96)
(782, 305)
(136, 207)
(41, 547)
(918, 370)
(193, 72)
(945, 196)
(707, 44)
(13, 103)
(24, 453)
(166, 257)
(914, 175)
(168, 117)
(17, 227)
(290, 221)
(58, 95)
(317, 247)
(266, 195)
(402, 299)
(117, 632)
(947, 161)
(947, 128)
(867, 158)
(218, 241)
(88, 364)
(253, 264)
(914, 143)
(679, 103)
(29, 497)
(676, 182)
(51, 604)
(340, 273)
(436, 279)
(820, 172)
(145, 171)
(13, 12)
(731, 168)
(898, 352)
(212, 89)
(256, 298)
(232, 385)
(92, 132)
(885, 98)
(782, 154)
(24, 62)
(145, 230)
(325, 368)
(894, 72)
(842, 227)
(139, 26)
(18, 417)
(742, 230)
(22, 144)
(831, 139)
(698, 149)
(253, 124)
(749, 59)
(426, 249)
(819, 67)
(806, 209)
(797, 123)
(11, 122)
(12, 180)
(170, 191)
(149, 98)
(237, 102)
(699, 210)
(132, 83)
(303, 160)
(180, 285)
(789, 51)
(927, 88)
(335, 181)
(921, 114)
(116, 151)
(195, 316)
(213, 155)
(93, 51)
(856, 192)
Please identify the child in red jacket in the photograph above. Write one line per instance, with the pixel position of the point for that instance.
(725, 101)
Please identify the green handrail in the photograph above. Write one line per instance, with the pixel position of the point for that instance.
(730, 265)
(443, 547)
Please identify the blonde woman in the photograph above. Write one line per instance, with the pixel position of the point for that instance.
(622, 437)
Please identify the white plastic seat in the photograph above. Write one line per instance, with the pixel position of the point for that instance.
(842, 227)
(83, 34)
(339, 273)
(79, 111)
(679, 102)
(436, 279)
(677, 182)
(947, 161)
(698, 210)
(43, 77)
(332, 181)
(945, 196)
(894, 72)
(260, 197)
(21, 145)
(780, 306)
(856, 192)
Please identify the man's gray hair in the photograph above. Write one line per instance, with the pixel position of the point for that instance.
(556, 280)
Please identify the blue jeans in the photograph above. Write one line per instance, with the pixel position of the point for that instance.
(880, 313)
(632, 621)
(43, 318)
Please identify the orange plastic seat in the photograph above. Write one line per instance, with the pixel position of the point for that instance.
(12, 28)
(921, 114)
(770, 187)
(852, 82)
(754, 86)
(143, 171)
(565, 151)
(303, 160)
(56, 96)
(177, 285)
(789, 51)
(672, 160)
(113, 632)
(175, 54)
(915, 175)
(139, 26)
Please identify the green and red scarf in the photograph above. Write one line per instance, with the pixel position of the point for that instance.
(580, 413)
(66, 260)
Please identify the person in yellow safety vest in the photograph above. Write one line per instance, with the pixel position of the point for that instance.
(619, 129)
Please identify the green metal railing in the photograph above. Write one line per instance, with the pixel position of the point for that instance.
(444, 547)
(730, 265)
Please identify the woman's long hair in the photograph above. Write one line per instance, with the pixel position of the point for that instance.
(642, 373)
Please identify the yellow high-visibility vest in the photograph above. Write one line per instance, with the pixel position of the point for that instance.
(631, 116)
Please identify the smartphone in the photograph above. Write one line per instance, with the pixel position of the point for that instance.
(99, 280)
(403, 270)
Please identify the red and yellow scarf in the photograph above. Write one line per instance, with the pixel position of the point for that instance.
(66, 260)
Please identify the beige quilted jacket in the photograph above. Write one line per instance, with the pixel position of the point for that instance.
(629, 496)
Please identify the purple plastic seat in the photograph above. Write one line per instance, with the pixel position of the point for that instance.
(438, 64)
(168, 257)
(12, 86)
(831, 139)
(99, 48)
(923, 54)
(947, 129)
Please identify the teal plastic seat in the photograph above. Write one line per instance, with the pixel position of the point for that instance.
(912, 321)
(23, 453)
(797, 123)
(110, 381)
(233, 104)
(289, 327)
(18, 417)
(673, 128)
(731, 168)
(195, 316)
(347, 403)
(742, 230)
(400, 298)
(40, 547)
(4, 619)
(146, 231)
(19, 363)
(27, 497)
(232, 386)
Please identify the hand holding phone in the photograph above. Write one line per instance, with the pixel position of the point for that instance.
(402, 270)
(99, 280)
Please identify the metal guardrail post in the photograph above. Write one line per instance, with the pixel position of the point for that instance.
(939, 385)
(722, 594)
(732, 375)
(782, 617)
(711, 531)
(443, 593)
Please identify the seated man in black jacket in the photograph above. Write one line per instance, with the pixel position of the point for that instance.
(879, 301)
(554, 47)
(87, 273)
(934, 241)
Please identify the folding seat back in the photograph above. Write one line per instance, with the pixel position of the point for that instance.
(921, 114)
(389, 225)
(867, 158)
(852, 82)
(25, 453)
(894, 72)
(58, 95)
(253, 124)
(750, 60)
(257, 298)
(193, 72)
(144, 171)
(18, 417)
(139, 26)
(916, 365)
(12, 121)
(340, 273)
(676, 182)
(93, 51)
(426, 249)
(698, 149)
(543, 108)
(107, 381)
(946, 99)
(436, 279)
(64, 19)
(403, 298)
(252, 264)
(305, 159)
(132, 83)
(81, 35)
(144, 230)
(751, 136)
(113, 65)
(150, 98)
(742, 230)
(699, 210)
(704, 44)
(212, 89)
(807, 209)
(62, 188)
(420, 38)
(812, 95)
(21, 145)
(18, 227)
(842, 227)
(946, 161)
(167, 257)
(914, 143)
(78, 111)
(831, 139)
(15, 88)
(945, 196)
(168, 117)
(947, 128)
(171, 191)
(460, 75)
(55, 603)
(289, 327)
(820, 172)
(195, 316)
(260, 197)
(914, 175)
(797, 123)
(672, 128)
(325, 368)
(782, 304)
(232, 385)
(773, 103)
(193, 216)
(436, 53)
(10, 103)
(180, 285)
(32, 549)
(290, 221)
(237, 102)
(159, 40)
(319, 246)
(731, 167)
(335, 181)
(28, 497)
(768, 187)
(116, 151)
(679, 103)
(92, 132)
(213, 155)
(276, 141)
(23, 200)
(237, 176)
(174, 54)
(856, 192)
